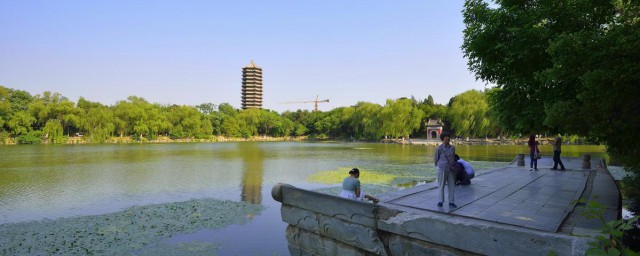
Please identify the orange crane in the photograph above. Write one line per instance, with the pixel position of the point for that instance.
(311, 101)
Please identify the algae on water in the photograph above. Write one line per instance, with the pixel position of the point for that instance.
(122, 232)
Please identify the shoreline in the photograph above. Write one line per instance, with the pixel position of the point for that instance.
(410, 141)
(160, 139)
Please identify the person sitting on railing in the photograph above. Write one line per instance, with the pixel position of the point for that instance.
(351, 188)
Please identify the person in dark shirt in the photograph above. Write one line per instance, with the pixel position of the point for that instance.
(533, 150)
(557, 149)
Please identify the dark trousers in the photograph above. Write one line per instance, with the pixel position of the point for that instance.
(557, 160)
(464, 179)
(534, 161)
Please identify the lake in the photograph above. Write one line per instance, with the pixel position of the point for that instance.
(40, 182)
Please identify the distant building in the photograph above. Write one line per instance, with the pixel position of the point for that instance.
(251, 86)
(434, 128)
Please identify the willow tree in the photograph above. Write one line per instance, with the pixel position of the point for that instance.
(469, 114)
(53, 131)
(400, 118)
(366, 121)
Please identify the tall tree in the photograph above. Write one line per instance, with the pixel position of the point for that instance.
(20, 123)
(53, 131)
(468, 114)
(429, 100)
(268, 121)
(566, 66)
(96, 120)
(366, 120)
(400, 118)
(252, 118)
(508, 46)
(5, 106)
(185, 121)
(206, 108)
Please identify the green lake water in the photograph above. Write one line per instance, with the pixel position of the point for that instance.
(40, 182)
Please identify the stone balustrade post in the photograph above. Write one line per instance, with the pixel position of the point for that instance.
(520, 159)
(586, 161)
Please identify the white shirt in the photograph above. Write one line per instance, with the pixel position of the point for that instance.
(467, 167)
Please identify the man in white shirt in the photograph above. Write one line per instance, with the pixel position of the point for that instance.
(468, 169)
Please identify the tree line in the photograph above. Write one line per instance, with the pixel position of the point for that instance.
(52, 118)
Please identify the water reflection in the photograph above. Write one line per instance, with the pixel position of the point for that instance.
(252, 172)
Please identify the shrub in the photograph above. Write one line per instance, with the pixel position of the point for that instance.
(32, 137)
(610, 242)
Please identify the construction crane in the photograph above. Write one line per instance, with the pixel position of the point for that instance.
(311, 101)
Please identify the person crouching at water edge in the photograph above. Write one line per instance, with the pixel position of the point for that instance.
(351, 188)
(443, 158)
(464, 178)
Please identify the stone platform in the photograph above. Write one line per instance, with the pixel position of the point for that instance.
(508, 210)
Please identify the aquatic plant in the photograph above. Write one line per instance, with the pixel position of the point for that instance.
(393, 175)
(369, 189)
(336, 176)
(121, 232)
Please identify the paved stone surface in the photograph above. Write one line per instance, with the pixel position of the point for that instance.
(514, 195)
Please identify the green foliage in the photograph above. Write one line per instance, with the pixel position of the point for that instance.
(53, 131)
(20, 123)
(98, 121)
(271, 124)
(32, 137)
(227, 109)
(336, 177)
(134, 117)
(231, 128)
(572, 139)
(630, 189)
(5, 105)
(206, 108)
(366, 121)
(610, 243)
(19, 100)
(569, 67)
(4, 137)
(177, 133)
(252, 118)
(468, 114)
(510, 46)
(400, 117)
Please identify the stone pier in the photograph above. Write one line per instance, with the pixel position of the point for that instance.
(506, 211)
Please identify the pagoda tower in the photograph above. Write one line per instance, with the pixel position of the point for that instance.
(251, 86)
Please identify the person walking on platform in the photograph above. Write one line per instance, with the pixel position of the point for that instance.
(533, 151)
(443, 158)
(557, 149)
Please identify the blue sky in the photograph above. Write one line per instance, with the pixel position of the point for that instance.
(192, 52)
